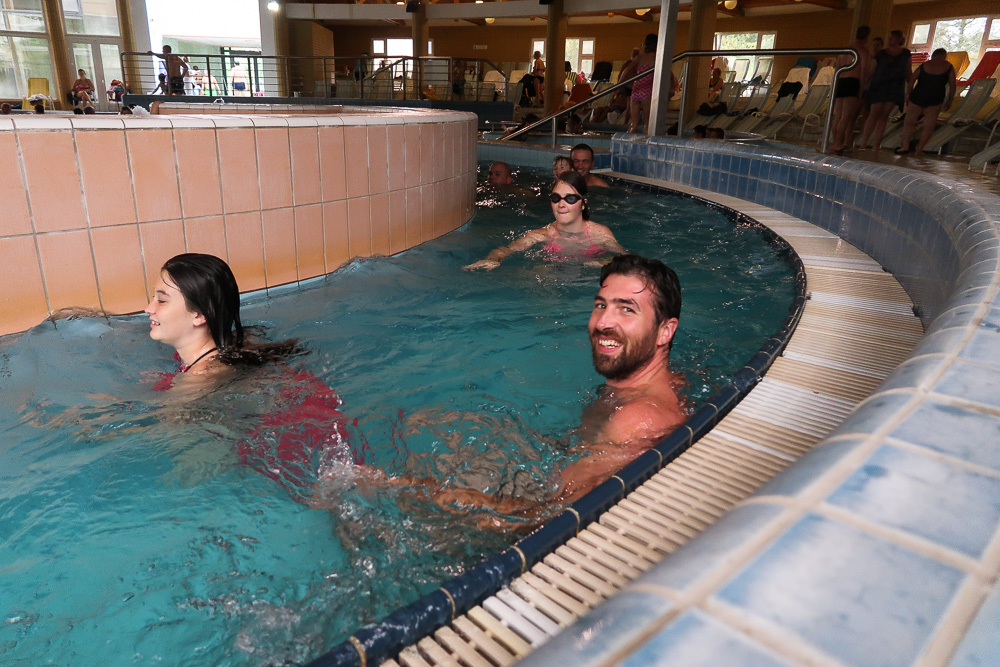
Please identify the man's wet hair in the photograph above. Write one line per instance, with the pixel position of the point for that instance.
(863, 32)
(583, 147)
(663, 280)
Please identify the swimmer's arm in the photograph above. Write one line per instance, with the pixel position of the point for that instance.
(497, 256)
(606, 239)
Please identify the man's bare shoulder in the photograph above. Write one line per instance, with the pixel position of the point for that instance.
(644, 418)
(596, 182)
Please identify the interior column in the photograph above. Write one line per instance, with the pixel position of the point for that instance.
(661, 75)
(876, 14)
(421, 35)
(63, 71)
(701, 38)
(555, 57)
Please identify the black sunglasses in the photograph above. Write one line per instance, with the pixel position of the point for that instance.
(569, 199)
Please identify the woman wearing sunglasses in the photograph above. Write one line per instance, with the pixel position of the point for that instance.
(571, 236)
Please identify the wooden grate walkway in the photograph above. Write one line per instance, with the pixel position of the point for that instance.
(857, 326)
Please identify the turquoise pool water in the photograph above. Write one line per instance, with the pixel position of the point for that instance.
(130, 531)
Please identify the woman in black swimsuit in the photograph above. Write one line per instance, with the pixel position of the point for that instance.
(932, 88)
(887, 88)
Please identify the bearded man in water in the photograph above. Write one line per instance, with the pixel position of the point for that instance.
(631, 329)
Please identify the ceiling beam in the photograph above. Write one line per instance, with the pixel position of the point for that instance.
(737, 12)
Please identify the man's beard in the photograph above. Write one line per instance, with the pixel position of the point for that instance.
(634, 354)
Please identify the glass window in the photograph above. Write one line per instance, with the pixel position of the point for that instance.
(378, 47)
(994, 30)
(537, 45)
(399, 47)
(91, 17)
(960, 35)
(23, 58)
(587, 48)
(22, 15)
(921, 33)
(767, 40)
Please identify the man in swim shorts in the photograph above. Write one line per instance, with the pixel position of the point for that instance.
(583, 161)
(500, 175)
(631, 329)
(847, 95)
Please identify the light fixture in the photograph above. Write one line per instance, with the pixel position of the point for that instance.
(479, 2)
(611, 15)
(642, 12)
(729, 4)
(273, 6)
(490, 20)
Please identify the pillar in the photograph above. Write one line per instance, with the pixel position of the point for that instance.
(274, 42)
(875, 14)
(555, 57)
(661, 75)
(702, 38)
(63, 71)
(420, 36)
(131, 72)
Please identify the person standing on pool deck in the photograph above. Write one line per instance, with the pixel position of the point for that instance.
(583, 161)
(571, 235)
(631, 330)
(850, 86)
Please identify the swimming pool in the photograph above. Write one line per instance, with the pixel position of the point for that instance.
(131, 529)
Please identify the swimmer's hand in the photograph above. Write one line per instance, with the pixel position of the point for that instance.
(488, 264)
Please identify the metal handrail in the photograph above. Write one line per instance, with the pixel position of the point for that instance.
(684, 75)
(277, 73)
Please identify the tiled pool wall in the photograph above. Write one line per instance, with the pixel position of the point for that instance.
(94, 205)
(882, 544)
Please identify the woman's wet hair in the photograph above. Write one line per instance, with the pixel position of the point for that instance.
(578, 183)
(649, 44)
(209, 288)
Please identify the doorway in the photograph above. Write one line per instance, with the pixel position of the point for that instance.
(100, 58)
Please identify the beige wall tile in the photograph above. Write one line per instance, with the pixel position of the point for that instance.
(154, 174)
(335, 235)
(245, 244)
(397, 221)
(198, 172)
(378, 164)
(25, 306)
(359, 227)
(279, 246)
(309, 241)
(107, 183)
(206, 235)
(306, 187)
(54, 190)
(275, 167)
(120, 275)
(68, 268)
(238, 163)
(380, 224)
(414, 216)
(356, 150)
(160, 242)
(15, 218)
(395, 144)
(412, 155)
(427, 222)
(332, 165)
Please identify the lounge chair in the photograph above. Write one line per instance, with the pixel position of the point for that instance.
(786, 105)
(755, 102)
(812, 109)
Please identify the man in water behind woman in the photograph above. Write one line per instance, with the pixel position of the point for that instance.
(572, 235)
